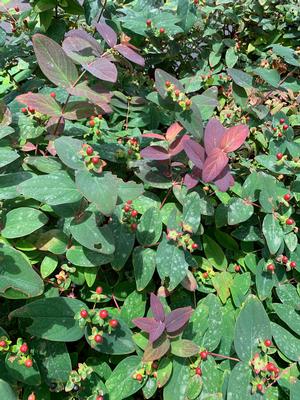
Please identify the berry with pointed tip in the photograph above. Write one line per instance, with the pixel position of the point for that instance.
(31, 109)
(194, 246)
(89, 151)
(126, 208)
(24, 110)
(139, 377)
(177, 92)
(260, 387)
(2, 343)
(148, 23)
(53, 94)
(134, 213)
(198, 371)
(284, 259)
(279, 156)
(103, 314)
(289, 221)
(167, 84)
(237, 268)
(95, 160)
(281, 120)
(293, 264)
(98, 338)
(31, 396)
(285, 127)
(28, 363)
(113, 323)
(99, 290)
(287, 197)
(271, 267)
(268, 343)
(92, 123)
(203, 354)
(84, 314)
(24, 348)
(162, 30)
(133, 227)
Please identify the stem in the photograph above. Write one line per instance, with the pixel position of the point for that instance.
(222, 356)
(102, 10)
(166, 197)
(115, 301)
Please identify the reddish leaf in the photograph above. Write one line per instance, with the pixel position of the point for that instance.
(103, 69)
(190, 181)
(96, 95)
(224, 180)
(157, 332)
(28, 146)
(108, 34)
(157, 308)
(178, 145)
(189, 282)
(54, 62)
(153, 135)
(130, 54)
(214, 132)
(154, 351)
(234, 137)
(146, 324)
(55, 125)
(79, 50)
(41, 103)
(80, 109)
(195, 152)
(178, 318)
(214, 165)
(84, 35)
(173, 131)
(155, 153)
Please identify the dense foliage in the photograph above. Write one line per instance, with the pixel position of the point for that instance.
(149, 180)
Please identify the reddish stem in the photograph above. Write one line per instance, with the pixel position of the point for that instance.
(116, 303)
(222, 356)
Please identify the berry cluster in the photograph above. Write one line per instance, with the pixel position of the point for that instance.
(154, 30)
(92, 159)
(148, 369)
(76, 377)
(132, 151)
(94, 124)
(278, 130)
(20, 351)
(130, 216)
(183, 239)
(265, 371)
(177, 96)
(196, 365)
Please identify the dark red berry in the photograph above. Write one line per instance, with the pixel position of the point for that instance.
(205, 275)
(95, 160)
(188, 102)
(139, 377)
(28, 363)
(53, 94)
(2, 343)
(284, 259)
(194, 246)
(274, 129)
(133, 227)
(271, 267)
(279, 134)
(113, 323)
(31, 109)
(268, 343)
(134, 213)
(162, 30)
(84, 314)
(293, 264)
(24, 348)
(98, 338)
(103, 314)
(198, 371)
(24, 110)
(99, 290)
(196, 2)
(260, 387)
(168, 83)
(287, 197)
(148, 22)
(177, 92)
(228, 115)
(281, 120)
(203, 354)
(129, 201)
(289, 221)
(92, 123)
(89, 151)
(155, 365)
(270, 367)
(126, 208)
(285, 127)
(279, 156)
(17, 8)
(237, 268)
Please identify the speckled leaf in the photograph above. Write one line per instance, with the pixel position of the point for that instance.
(184, 348)
(83, 257)
(171, 262)
(222, 282)
(252, 326)
(9, 183)
(239, 386)
(214, 253)
(149, 227)
(272, 232)
(7, 156)
(52, 318)
(144, 264)
(164, 371)
(288, 315)
(240, 288)
(150, 388)
(239, 211)
(68, 149)
(212, 379)
(265, 280)
(286, 342)
(48, 265)
(177, 386)
(124, 242)
(213, 334)
(191, 213)
(22, 221)
(133, 307)
(55, 241)
(288, 295)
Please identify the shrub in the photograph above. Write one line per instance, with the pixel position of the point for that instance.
(149, 169)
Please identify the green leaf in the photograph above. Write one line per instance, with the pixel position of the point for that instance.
(171, 262)
(48, 265)
(52, 189)
(289, 316)
(22, 221)
(265, 280)
(83, 257)
(239, 386)
(273, 232)
(30, 376)
(121, 383)
(68, 149)
(149, 227)
(156, 350)
(194, 387)
(239, 211)
(10, 182)
(222, 282)
(144, 264)
(54, 241)
(214, 253)
(91, 9)
(177, 386)
(7, 156)
(271, 76)
(191, 215)
(124, 242)
(18, 279)
(212, 380)
(164, 371)
(206, 102)
(288, 295)
(150, 388)
(231, 57)
(241, 78)
(102, 190)
(133, 307)
(240, 288)
(252, 327)
(52, 318)
(286, 342)
(184, 348)
(6, 391)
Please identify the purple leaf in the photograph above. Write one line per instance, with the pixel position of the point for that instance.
(190, 181)
(155, 153)
(214, 165)
(80, 109)
(177, 146)
(153, 135)
(234, 137)
(103, 69)
(224, 180)
(41, 103)
(146, 324)
(108, 34)
(178, 318)
(55, 125)
(96, 95)
(79, 50)
(173, 131)
(157, 308)
(130, 54)
(195, 152)
(80, 33)
(214, 132)
(157, 332)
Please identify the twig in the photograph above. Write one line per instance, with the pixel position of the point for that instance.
(222, 356)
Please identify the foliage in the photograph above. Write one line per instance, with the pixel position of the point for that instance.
(149, 180)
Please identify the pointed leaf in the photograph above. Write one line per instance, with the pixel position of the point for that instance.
(157, 308)
(41, 103)
(195, 152)
(108, 34)
(178, 318)
(155, 153)
(184, 348)
(96, 95)
(79, 50)
(224, 180)
(130, 54)
(214, 165)
(233, 138)
(157, 332)
(177, 146)
(146, 324)
(154, 351)
(213, 134)
(273, 233)
(103, 69)
(173, 131)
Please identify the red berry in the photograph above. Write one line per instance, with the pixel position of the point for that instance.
(177, 92)
(289, 221)
(31, 396)
(31, 109)
(205, 275)
(198, 371)
(284, 259)
(28, 363)
(89, 151)
(134, 213)
(228, 115)
(270, 367)
(92, 123)
(281, 120)
(203, 354)
(113, 323)
(276, 370)
(293, 264)
(103, 314)
(139, 377)
(98, 338)
(162, 30)
(100, 398)
(95, 160)
(133, 227)
(260, 387)
(271, 267)
(188, 102)
(129, 201)
(126, 208)
(52, 94)
(148, 22)
(17, 9)
(167, 83)
(279, 156)
(268, 343)
(2, 343)
(99, 290)
(285, 127)
(196, 2)
(84, 314)
(279, 134)
(237, 268)
(24, 348)
(24, 110)
(274, 129)
(194, 246)
(287, 197)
